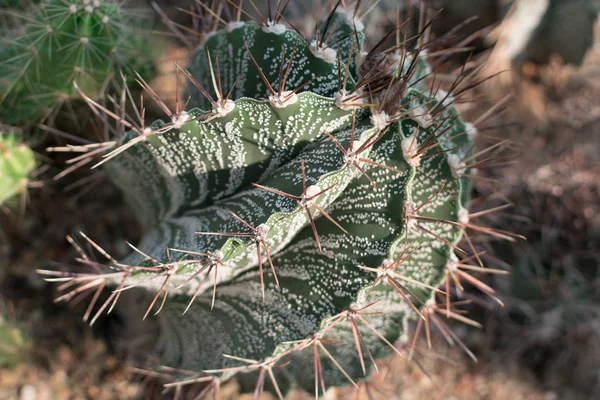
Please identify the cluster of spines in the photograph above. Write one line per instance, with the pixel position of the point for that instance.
(431, 139)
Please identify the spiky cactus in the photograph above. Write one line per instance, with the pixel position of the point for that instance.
(16, 164)
(56, 44)
(316, 195)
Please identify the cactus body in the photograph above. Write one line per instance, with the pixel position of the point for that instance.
(16, 163)
(57, 44)
(273, 216)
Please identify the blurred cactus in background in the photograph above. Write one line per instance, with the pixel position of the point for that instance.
(17, 161)
(14, 342)
(49, 47)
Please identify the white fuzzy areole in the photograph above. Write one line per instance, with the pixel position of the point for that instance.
(180, 119)
(234, 25)
(312, 190)
(463, 216)
(380, 120)
(325, 53)
(456, 165)
(445, 97)
(471, 131)
(409, 152)
(422, 117)
(271, 27)
(409, 208)
(352, 20)
(224, 109)
(452, 263)
(342, 97)
(287, 97)
(361, 56)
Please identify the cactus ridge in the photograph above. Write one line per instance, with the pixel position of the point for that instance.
(284, 214)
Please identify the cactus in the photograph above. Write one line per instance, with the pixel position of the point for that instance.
(16, 164)
(314, 194)
(14, 343)
(59, 43)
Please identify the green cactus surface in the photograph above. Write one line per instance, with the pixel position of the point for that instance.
(56, 44)
(306, 207)
(16, 164)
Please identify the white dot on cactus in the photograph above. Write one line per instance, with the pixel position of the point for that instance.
(272, 27)
(97, 3)
(49, 29)
(463, 216)
(84, 39)
(327, 54)
(287, 97)
(234, 25)
(409, 151)
(380, 120)
(217, 255)
(89, 9)
(105, 19)
(72, 8)
(422, 116)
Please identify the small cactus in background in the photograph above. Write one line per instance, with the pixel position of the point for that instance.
(14, 343)
(17, 162)
(56, 44)
(313, 194)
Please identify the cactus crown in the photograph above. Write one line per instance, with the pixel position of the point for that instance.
(314, 194)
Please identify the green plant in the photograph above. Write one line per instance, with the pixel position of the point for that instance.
(318, 193)
(16, 164)
(14, 343)
(56, 44)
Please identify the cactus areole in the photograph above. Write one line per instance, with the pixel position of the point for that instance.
(303, 211)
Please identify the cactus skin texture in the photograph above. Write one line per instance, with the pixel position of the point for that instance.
(16, 164)
(290, 215)
(59, 43)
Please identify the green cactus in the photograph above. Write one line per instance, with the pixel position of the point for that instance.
(320, 192)
(59, 43)
(14, 343)
(16, 164)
